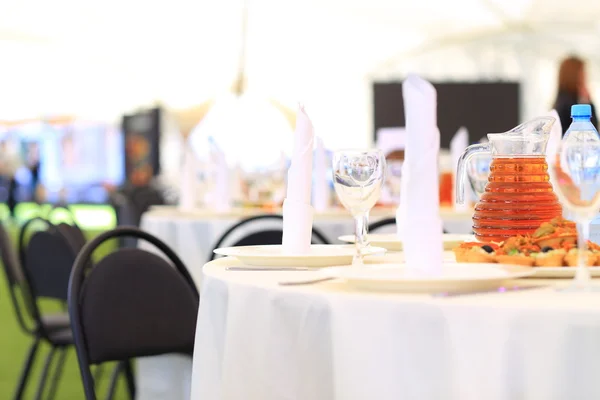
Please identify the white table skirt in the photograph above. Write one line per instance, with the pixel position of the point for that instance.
(256, 340)
(192, 236)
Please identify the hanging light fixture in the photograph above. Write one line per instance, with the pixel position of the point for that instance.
(251, 130)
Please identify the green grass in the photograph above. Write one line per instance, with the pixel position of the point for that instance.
(14, 344)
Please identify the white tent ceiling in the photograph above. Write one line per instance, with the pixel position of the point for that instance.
(105, 58)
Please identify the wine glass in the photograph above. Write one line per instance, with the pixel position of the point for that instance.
(358, 176)
(575, 174)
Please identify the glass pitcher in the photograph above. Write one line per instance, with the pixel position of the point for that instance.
(518, 197)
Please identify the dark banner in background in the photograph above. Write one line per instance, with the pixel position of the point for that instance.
(480, 107)
(142, 146)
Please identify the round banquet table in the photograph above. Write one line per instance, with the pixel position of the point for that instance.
(258, 340)
(192, 235)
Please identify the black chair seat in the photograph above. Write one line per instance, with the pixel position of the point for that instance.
(53, 322)
(63, 337)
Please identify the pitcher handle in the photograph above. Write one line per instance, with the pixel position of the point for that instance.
(461, 169)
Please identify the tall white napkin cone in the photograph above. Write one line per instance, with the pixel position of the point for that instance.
(419, 221)
(297, 210)
(458, 144)
(321, 193)
(555, 136)
(221, 198)
(188, 194)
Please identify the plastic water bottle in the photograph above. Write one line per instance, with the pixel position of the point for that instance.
(581, 129)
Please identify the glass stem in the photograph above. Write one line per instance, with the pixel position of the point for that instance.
(582, 275)
(361, 225)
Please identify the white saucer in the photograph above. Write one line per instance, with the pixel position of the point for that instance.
(320, 255)
(392, 242)
(454, 277)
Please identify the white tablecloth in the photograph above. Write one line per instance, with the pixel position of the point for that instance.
(193, 235)
(256, 340)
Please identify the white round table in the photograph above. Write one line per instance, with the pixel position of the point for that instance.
(192, 235)
(258, 340)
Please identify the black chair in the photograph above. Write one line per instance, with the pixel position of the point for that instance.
(132, 304)
(72, 230)
(50, 328)
(259, 230)
(384, 223)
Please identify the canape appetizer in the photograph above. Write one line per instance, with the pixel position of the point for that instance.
(549, 257)
(475, 252)
(572, 258)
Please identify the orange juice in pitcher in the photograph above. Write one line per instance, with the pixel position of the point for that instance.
(518, 197)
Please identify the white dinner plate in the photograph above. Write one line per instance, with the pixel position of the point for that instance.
(392, 242)
(320, 255)
(454, 277)
(561, 272)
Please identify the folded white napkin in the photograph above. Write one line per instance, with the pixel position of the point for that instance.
(418, 217)
(188, 194)
(321, 192)
(297, 211)
(555, 135)
(458, 144)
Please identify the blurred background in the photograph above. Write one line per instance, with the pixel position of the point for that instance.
(98, 95)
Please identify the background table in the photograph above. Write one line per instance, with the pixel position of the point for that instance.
(193, 235)
(257, 340)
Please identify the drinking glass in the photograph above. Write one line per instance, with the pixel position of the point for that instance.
(357, 177)
(575, 174)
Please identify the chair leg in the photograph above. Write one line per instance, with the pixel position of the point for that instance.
(114, 377)
(27, 369)
(44, 376)
(130, 379)
(57, 372)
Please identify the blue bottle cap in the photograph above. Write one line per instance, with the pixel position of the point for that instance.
(581, 110)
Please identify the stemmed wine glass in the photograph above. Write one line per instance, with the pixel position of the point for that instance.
(357, 177)
(575, 174)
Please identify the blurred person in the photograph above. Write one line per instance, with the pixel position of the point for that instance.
(572, 89)
(9, 164)
(33, 163)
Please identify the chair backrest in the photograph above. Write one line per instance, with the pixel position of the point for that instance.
(259, 230)
(74, 231)
(74, 236)
(21, 241)
(49, 258)
(20, 280)
(16, 283)
(10, 259)
(386, 224)
(133, 303)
